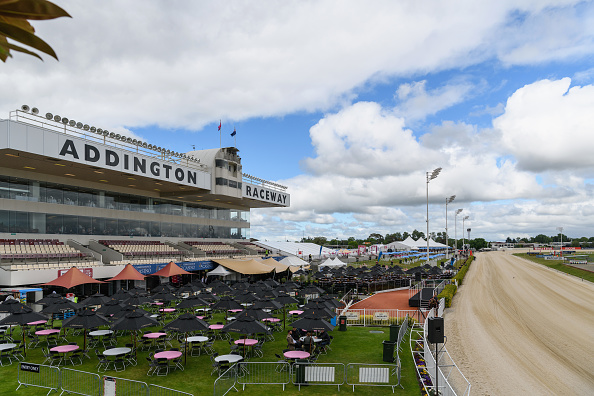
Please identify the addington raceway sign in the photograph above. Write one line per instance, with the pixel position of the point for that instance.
(49, 143)
(264, 194)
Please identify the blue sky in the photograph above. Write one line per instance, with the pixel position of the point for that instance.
(348, 104)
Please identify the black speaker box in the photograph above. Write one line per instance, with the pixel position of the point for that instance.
(435, 329)
(417, 276)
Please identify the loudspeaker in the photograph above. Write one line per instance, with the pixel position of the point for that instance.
(417, 276)
(435, 330)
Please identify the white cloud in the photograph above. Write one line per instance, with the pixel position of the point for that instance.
(548, 126)
(417, 103)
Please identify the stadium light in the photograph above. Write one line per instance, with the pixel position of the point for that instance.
(430, 177)
(456, 231)
(447, 201)
(560, 229)
(463, 243)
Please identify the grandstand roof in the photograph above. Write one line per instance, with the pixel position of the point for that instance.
(293, 248)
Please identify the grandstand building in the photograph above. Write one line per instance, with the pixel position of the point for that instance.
(75, 194)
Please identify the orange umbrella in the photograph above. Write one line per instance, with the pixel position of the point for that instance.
(128, 273)
(73, 277)
(171, 269)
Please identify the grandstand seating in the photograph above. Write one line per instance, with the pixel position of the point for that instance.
(37, 250)
(151, 250)
(216, 249)
(251, 246)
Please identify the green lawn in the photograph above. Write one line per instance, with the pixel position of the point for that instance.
(356, 345)
(558, 265)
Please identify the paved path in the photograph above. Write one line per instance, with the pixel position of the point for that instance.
(519, 328)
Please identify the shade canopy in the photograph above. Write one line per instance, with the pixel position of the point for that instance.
(128, 273)
(186, 323)
(12, 305)
(133, 321)
(23, 316)
(312, 323)
(246, 325)
(246, 267)
(95, 299)
(171, 269)
(86, 319)
(72, 277)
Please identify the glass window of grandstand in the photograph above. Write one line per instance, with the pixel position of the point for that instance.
(54, 224)
(70, 197)
(98, 226)
(155, 229)
(4, 221)
(223, 214)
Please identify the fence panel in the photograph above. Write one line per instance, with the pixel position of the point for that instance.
(377, 317)
(402, 332)
(305, 373)
(373, 375)
(81, 382)
(156, 390)
(226, 381)
(126, 387)
(269, 373)
(38, 375)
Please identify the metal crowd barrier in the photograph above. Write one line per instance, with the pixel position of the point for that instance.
(305, 373)
(81, 382)
(156, 390)
(373, 375)
(226, 381)
(264, 373)
(85, 383)
(38, 375)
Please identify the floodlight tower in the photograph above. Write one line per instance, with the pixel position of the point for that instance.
(463, 243)
(456, 230)
(430, 177)
(560, 229)
(447, 201)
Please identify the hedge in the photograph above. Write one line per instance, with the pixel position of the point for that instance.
(448, 293)
(463, 270)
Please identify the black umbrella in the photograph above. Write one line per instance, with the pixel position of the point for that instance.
(253, 313)
(85, 319)
(208, 297)
(95, 299)
(312, 290)
(133, 321)
(61, 306)
(268, 304)
(137, 300)
(189, 288)
(246, 297)
(186, 323)
(164, 296)
(312, 323)
(21, 316)
(12, 305)
(226, 303)
(285, 300)
(323, 313)
(191, 302)
(245, 325)
(110, 308)
(126, 309)
(163, 288)
(121, 295)
(50, 298)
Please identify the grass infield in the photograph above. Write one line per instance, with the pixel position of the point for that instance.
(558, 265)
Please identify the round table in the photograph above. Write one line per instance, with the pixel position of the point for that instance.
(116, 351)
(216, 326)
(167, 310)
(235, 310)
(154, 335)
(246, 341)
(229, 358)
(47, 332)
(5, 347)
(295, 312)
(197, 339)
(271, 320)
(37, 322)
(296, 354)
(100, 333)
(200, 317)
(315, 339)
(167, 355)
(64, 348)
(202, 309)
(157, 303)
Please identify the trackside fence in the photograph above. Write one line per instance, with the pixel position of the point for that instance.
(401, 333)
(373, 375)
(306, 373)
(226, 381)
(269, 373)
(39, 375)
(81, 382)
(368, 317)
(84, 383)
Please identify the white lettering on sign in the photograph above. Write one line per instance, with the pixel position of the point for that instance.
(352, 315)
(381, 316)
(264, 194)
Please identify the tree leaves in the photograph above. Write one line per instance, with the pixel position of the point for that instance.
(14, 25)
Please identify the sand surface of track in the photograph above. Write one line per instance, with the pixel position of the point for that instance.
(516, 327)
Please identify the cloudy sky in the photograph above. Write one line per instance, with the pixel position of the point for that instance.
(349, 103)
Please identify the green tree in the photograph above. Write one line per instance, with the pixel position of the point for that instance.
(15, 26)
(417, 234)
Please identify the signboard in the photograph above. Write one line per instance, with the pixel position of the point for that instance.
(265, 194)
(109, 386)
(352, 315)
(146, 269)
(381, 316)
(86, 271)
(32, 368)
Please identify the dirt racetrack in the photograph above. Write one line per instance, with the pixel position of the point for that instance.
(518, 328)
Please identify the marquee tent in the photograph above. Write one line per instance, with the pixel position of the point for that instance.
(293, 261)
(219, 271)
(245, 267)
(276, 265)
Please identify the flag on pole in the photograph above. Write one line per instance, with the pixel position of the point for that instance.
(234, 132)
(220, 123)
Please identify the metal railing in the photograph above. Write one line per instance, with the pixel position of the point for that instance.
(81, 382)
(38, 375)
(85, 383)
(379, 317)
(226, 381)
(306, 373)
(401, 333)
(264, 373)
(373, 375)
